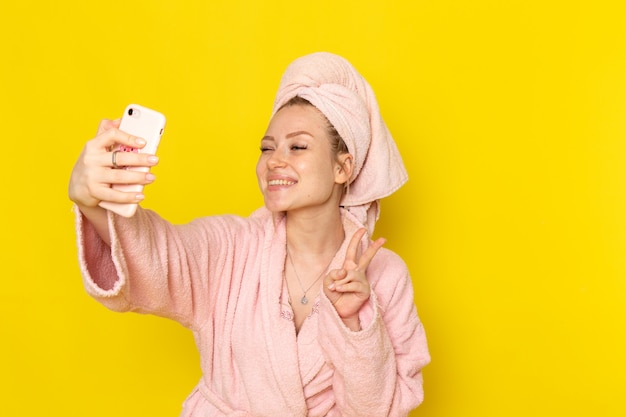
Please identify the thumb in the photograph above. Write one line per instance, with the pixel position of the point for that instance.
(333, 276)
(108, 124)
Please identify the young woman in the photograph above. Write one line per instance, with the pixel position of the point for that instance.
(295, 311)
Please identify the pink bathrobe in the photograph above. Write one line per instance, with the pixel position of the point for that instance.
(222, 277)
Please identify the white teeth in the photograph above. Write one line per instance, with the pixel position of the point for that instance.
(280, 182)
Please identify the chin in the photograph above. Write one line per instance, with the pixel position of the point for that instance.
(275, 207)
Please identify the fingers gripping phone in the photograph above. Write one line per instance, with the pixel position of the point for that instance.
(147, 124)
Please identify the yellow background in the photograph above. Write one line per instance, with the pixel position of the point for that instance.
(511, 118)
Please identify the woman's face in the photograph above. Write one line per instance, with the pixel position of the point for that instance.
(296, 169)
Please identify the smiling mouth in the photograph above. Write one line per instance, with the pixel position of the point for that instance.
(280, 182)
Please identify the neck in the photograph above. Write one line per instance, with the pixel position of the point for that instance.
(314, 234)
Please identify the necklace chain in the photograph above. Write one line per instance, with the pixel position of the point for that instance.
(304, 299)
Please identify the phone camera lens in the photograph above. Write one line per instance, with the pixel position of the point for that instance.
(130, 112)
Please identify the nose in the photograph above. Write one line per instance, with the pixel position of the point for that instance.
(275, 160)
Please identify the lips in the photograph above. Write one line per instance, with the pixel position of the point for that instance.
(280, 182)
(275, 181)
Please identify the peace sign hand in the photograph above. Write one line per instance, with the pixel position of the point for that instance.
(348, 288)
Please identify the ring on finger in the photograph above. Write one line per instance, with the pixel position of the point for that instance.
(114, 159)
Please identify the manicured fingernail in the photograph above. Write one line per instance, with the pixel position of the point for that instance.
(331, 286)
(140, 141)
(140, 197)
(153, 159)
(150, 177)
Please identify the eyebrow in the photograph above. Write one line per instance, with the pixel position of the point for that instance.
(289, 135)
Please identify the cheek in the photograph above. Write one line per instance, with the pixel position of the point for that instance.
(260, 164)
(260, 170)
(324, 179)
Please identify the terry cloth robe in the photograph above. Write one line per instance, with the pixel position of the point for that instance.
(222, 277)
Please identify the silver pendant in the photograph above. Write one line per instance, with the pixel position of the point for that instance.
(304, 300)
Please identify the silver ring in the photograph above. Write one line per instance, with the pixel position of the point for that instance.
(114, 159)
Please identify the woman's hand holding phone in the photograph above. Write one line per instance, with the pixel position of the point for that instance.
(94, 177)
(139, 122)
(129, 143)
(97, 183)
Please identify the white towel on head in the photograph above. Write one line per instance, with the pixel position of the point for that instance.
(334, 87)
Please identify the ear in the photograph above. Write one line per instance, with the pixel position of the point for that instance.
(344, 168)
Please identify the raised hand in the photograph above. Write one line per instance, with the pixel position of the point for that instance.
(93, 175)
(348, 288)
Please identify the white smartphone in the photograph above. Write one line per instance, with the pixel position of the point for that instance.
(147, 124)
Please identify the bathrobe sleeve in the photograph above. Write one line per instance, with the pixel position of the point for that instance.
(155, 267)
(378, 369)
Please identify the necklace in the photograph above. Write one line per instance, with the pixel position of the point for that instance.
(304, 299)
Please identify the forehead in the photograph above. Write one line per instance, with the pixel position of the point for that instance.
(301, 117)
